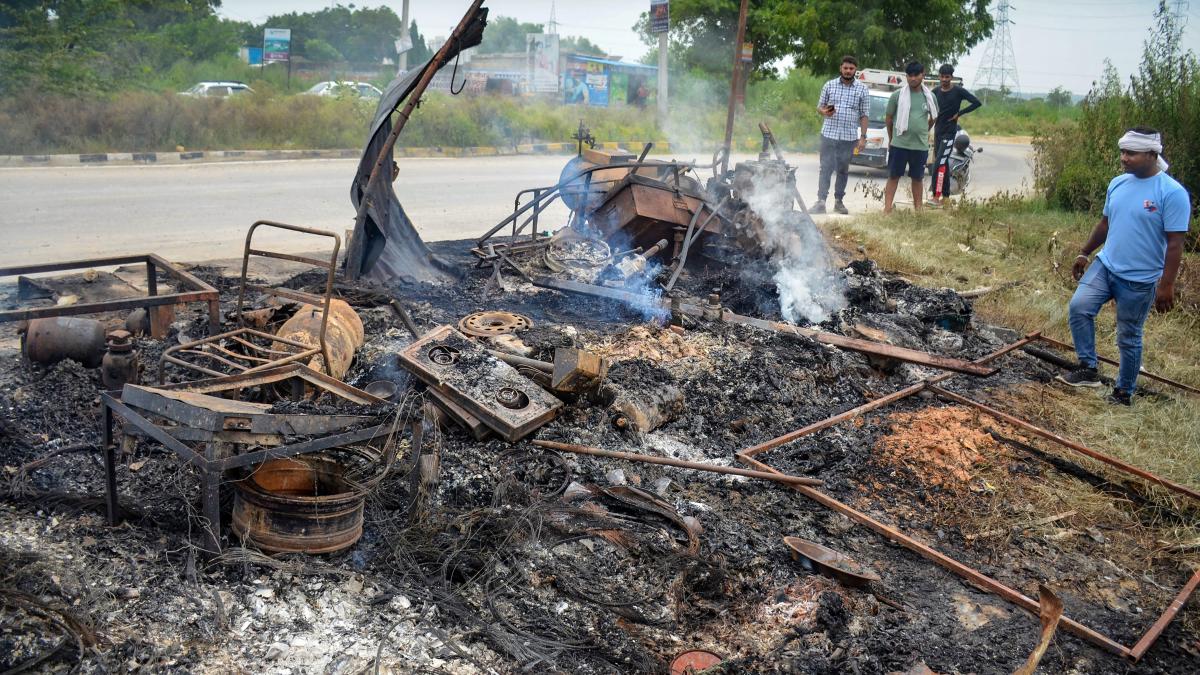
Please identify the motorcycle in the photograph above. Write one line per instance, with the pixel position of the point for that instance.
(956, 174)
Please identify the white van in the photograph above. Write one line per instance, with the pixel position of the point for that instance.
(880, 84)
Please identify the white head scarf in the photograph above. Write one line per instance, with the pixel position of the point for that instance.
(1135, 142)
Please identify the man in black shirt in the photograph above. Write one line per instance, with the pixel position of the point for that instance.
(949, 98)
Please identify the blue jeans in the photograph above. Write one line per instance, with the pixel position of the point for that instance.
(1133, 299)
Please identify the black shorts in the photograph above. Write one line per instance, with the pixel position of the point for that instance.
(898, 158)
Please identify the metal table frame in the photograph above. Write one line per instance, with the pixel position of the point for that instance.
(210, 464)
(198, 291)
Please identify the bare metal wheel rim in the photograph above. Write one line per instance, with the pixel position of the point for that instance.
(487, 324)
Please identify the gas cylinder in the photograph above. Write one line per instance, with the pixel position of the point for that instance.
(48, 341)
(120, 363)
(344, 335)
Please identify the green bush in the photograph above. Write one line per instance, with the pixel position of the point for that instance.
(1074, 162)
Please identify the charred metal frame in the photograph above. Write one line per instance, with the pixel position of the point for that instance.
(211, 463)
(197, 290)
(262, 358)
(1134, 653)
(543, 197)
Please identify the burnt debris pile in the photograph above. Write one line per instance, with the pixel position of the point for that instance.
(678, 432)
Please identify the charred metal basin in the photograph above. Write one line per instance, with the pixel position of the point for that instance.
(818, 558)
(298, 505)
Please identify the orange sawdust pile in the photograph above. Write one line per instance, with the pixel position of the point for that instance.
(942, 445)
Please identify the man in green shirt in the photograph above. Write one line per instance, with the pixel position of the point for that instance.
(910, 113)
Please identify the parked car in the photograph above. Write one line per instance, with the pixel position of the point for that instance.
(218, 89)
(345, 88)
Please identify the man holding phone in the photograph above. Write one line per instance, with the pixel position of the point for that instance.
(844, 103)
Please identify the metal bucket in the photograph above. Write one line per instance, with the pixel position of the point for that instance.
(298, 505)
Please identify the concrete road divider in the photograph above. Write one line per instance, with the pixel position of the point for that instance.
(206, 156)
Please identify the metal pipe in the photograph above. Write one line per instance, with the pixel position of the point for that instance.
(405, 318)
(514, 360)
(970, 574)
(877, 403)
(1082, 449)
(774, 476)
(1142, 371)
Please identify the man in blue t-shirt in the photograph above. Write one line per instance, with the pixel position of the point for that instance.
(1146, 214)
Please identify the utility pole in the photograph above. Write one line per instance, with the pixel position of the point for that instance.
(662, 79)
(998, 68)
(733, 89)
(407, 33)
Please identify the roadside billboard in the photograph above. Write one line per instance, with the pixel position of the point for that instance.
(541, 57)
(586, 82)
(277, 44)
(660, 16)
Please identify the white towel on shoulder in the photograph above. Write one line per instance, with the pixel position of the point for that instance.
(904, 108)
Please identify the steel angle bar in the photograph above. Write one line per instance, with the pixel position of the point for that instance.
(1151, 635)
(966, 572)
(1143, 372)
(679, 463)
(877, 403)
(153, 431)
(305, 447)
(195, 289)
(1081, 449)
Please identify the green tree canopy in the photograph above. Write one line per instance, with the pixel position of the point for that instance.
(817, 33)
(101, 45)
(506, 34)
(360, 35)
(420, 52)
(580, 45)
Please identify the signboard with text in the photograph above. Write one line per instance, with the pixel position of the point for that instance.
(660, 16)
(277, 44)
(541, 54)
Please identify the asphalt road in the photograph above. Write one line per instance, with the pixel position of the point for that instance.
(201, 211)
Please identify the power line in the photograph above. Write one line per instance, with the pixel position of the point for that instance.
(998, 66)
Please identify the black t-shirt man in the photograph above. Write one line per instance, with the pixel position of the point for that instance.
(949, 103)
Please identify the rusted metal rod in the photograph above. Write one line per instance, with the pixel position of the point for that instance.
(773, 476)
(1177, 604)
(970, 574)
(514, 360)
(1082, 449)
(1143, 372)
(877, 403)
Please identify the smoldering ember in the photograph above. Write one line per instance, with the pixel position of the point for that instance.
(681, 432)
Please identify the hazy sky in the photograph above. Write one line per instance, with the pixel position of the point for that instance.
(1063, 42)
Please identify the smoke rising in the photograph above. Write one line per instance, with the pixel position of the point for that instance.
(805, 276)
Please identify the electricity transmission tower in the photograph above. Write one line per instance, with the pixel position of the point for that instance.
(1180, 10)
(998, 69)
